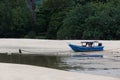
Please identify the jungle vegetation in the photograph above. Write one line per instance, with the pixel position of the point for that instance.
(60, 19)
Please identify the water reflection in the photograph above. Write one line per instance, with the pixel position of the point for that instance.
(57, 62)
(38, 60)
(68, 63)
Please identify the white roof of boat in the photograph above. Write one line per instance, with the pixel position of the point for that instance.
(89, 41)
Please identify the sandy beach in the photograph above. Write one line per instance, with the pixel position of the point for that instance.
(59, 48)
(40, 46)
(25, 72)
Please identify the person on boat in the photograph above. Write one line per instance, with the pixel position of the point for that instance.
(90, 44)
(84, 44)
(99, 44)
(87, 44)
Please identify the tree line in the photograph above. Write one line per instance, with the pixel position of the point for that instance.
(60, 19)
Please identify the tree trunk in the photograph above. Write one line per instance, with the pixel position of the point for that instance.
(31, 7)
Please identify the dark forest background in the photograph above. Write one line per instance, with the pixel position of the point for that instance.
(60, 19)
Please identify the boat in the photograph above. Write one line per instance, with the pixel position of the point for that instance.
(87, 46)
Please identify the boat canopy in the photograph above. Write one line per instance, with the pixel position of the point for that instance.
(91, 43)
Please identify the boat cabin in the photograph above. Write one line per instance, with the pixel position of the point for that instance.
(91, 44)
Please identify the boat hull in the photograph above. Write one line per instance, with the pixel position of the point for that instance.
(77, 48)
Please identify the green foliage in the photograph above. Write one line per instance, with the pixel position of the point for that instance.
(56, 5)
(31, 34)
(52, 13)
(83, 2)
(15, 18)
(60, 19)
(73, 25)
(92, 21)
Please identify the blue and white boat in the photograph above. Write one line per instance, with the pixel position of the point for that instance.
(87, 46)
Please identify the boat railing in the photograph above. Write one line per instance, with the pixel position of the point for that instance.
(91, 44)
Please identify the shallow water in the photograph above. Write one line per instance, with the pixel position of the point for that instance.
(58, 62)
(68, 63)
(61, 62)
(37, 60)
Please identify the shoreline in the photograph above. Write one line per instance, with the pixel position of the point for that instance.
(61, 48)
(40, 46)
(26, 72)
